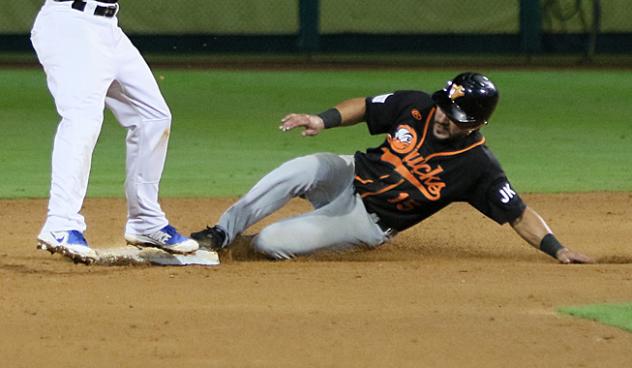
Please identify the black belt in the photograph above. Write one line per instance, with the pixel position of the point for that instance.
(104, 11)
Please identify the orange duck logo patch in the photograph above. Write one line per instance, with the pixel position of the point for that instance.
(404, 140)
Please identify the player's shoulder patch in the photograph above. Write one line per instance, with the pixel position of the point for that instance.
(381, 98)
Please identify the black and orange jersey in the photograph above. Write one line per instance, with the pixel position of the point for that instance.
(412, 175)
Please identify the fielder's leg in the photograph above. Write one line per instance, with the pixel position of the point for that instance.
(138, 105)
(78, 66)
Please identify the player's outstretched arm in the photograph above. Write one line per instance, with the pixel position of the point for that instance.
(348, 112)
(532, 228)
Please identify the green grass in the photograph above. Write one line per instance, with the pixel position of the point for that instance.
(554, 131)
(618, 315)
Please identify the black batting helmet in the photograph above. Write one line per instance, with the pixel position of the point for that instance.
(468, 100)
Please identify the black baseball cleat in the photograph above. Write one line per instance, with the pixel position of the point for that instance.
(212, 238)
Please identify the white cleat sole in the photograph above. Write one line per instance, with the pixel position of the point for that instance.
(76, 254)
(185, 247)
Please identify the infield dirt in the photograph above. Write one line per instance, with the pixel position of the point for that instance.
(455, 291)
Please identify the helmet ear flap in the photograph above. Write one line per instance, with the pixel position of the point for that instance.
(468, 100)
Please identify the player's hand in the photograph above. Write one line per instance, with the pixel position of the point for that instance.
(568, 256)
(312, 124)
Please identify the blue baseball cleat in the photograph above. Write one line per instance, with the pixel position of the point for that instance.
(167, 239)
(69, 243)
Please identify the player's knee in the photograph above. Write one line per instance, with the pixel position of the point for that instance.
(307, 169)
(165, 115)
(160, 112)
(305, 164)
(86, 118)
(161, 120)
(80, 130)
(161, 124)
(270, 242)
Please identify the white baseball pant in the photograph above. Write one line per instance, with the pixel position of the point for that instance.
(89, 64)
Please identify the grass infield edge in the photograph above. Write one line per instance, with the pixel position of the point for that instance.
(616, 315)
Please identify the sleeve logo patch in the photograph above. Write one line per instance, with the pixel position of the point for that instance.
(381, 98)
(404, 139)
(506, 193)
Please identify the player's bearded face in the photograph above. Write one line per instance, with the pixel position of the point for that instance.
(444, 129)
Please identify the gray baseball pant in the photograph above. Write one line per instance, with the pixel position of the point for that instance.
(339, 220)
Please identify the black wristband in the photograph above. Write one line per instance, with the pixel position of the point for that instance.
(331, 118)
(550, 245)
